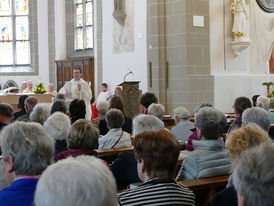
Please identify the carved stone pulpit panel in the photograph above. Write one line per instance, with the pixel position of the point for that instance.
(130, 95)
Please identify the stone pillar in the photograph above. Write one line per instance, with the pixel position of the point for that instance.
(179, 53)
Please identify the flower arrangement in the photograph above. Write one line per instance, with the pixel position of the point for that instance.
(39, 88)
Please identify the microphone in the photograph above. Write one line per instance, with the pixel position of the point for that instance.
(130, 72)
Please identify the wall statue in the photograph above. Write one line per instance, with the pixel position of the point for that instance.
(240, 30)
(119, 11)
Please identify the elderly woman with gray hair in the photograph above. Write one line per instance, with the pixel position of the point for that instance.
(94, 187)
(102, 108)
(209, 158)
(58, 127)
(258, 116)
(40, 113)
(254, 177)
(157, 110)
(27, 151)
(183, 127)
(143, 123)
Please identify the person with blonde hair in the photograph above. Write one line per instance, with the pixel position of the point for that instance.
(239, 141)
(23, 86)
(244, 138)
(80, 181)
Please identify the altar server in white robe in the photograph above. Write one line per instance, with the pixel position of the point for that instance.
(78, 88)
(104, 95)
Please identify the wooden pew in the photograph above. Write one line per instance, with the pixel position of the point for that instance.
(206, 188)
(168, 121)
(109, 152)
(109, 155)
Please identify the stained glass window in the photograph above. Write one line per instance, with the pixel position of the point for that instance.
(83, 30)
(14, 28)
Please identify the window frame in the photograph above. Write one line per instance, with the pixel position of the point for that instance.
(84, 3)
(14, 39)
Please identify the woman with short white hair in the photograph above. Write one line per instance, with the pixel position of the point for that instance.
(81, 181)
(40, 113)
(264, 102)
(27, 151)
(58, 127)
(157, 110)
(183, 127)
(143, 122)
(102, 108)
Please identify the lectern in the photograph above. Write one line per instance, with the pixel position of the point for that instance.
(130, 95)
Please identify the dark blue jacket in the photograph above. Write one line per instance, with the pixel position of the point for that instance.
(124, 169)
(19, 193)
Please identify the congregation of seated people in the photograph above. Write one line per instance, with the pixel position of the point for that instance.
(49, 153)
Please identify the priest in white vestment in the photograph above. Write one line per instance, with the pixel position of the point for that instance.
(78, 88)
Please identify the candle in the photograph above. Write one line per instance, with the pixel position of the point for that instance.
(267, 71)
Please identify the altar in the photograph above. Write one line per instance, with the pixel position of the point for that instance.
(12, 99)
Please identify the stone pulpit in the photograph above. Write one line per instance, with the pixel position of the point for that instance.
(130, 95)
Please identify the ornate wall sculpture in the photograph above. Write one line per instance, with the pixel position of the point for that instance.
(119, 11)
(240, 30)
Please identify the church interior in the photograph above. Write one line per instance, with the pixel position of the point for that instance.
(136, 102)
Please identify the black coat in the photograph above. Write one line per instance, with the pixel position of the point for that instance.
(226, 197)
(124, 169)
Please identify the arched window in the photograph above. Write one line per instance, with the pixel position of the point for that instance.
(83, 25)
(14, 28)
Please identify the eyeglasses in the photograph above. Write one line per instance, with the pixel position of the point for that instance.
(2, 160)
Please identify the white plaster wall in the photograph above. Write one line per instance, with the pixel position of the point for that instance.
(42, 15)
(228, 87)
(243, 75)
(60, 30)
(115, 65)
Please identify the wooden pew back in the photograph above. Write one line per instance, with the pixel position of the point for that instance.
(109, 155)
(205, 188)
